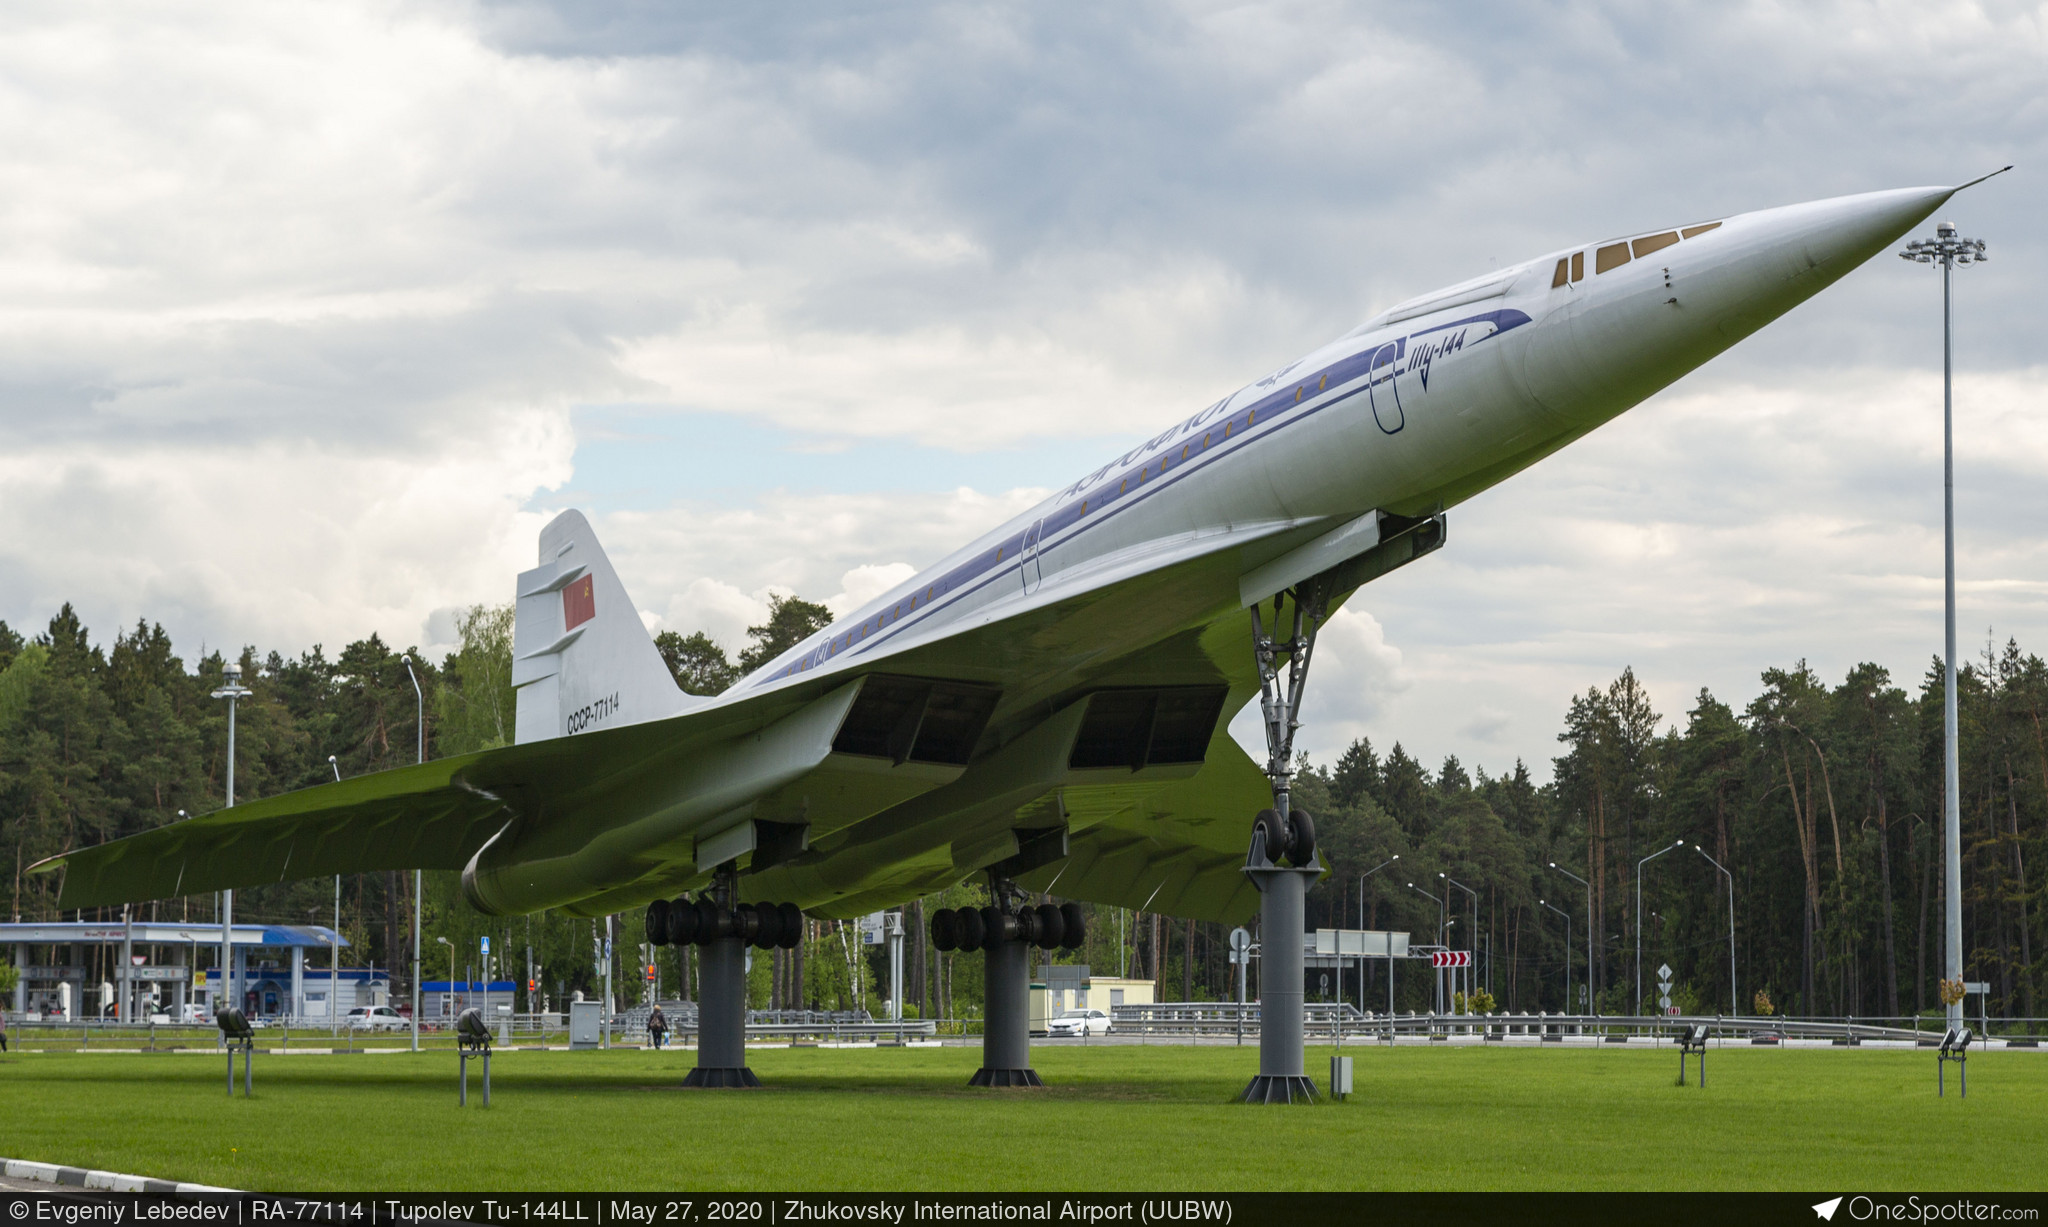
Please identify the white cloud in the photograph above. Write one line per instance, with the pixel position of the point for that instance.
(298, 301)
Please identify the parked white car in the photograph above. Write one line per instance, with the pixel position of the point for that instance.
(374, 1018)
(1078, 1023)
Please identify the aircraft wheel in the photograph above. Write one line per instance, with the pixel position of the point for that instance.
(973, 933)
(767, 926)
(1074, 923)
(657, 923)
(1052, 926)
(998, 925)
(746, 921)
(1302, 849)
(682, 921)
(945, 929)
(792, 925)
(1277, 835)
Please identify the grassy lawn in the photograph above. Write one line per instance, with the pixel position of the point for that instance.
(1114, 1117)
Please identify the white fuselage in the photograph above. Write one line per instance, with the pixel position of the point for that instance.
(1417, 409)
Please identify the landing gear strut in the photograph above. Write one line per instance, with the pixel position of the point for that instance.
(1282, 833)
(723, 929)
(1005, 932)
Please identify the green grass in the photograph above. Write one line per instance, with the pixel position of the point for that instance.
(1114, 1117)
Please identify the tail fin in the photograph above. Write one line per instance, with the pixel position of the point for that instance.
(581, 658)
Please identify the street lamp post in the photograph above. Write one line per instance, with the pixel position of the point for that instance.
(1639, 920)
(1390, 941)
(1439, 940)
(334, 960)
(1469, 968)
(1567, 951)
(1733, 1006)
(1589, 931)
(420, 727)
(1948, 250)
(231, 689)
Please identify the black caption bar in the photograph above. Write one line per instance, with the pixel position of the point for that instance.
(73, 1207)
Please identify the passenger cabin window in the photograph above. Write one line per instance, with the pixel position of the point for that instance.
(1578, 266)
(1691, 231)
(1654, 242)
(1612, 256)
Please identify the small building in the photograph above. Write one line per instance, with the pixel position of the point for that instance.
(1069, 986)
(132, 969)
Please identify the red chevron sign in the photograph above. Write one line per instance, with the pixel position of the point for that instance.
(1451, 958)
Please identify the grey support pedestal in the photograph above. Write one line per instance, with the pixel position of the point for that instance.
(722, 1017)
(1006, 1034)
(1281, 920)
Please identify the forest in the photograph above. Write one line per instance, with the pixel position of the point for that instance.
(1821, 798)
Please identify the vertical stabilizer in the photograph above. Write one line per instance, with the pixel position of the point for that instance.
(581, 658)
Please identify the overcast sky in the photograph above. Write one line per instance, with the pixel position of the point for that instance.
(314, 313)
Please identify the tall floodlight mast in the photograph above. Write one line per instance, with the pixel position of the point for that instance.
(1948, 251)
(231, 689)
(420, 725)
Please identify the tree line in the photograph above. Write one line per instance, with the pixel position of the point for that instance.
(1822, 801)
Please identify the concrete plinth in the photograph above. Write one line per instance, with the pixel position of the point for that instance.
(1006, 1034)
(722, 1017)
(1281, 923)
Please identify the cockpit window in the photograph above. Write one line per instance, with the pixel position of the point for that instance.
(1691, 231)
(1579, 266)
(1612, 256)
(1563, 270)
(1654, 242)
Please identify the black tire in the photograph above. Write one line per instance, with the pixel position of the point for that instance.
(945, 929)
(1277, 836)
(767, 926)
(997, 927)
(746, 921)
(713, 922)
(682, 921)
(792, 925)
(1302, 848)
(973, 933)
(657, 923)
(1075, 922)
(1052, 926)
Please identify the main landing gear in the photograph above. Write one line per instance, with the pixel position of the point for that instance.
(1282, 834)
(1005, 933)
(723, 929)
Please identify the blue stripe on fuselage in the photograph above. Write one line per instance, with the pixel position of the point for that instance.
(1094, 508)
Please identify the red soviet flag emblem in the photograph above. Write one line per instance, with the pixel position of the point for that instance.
(579, 603)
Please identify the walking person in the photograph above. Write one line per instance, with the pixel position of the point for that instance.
(657, 1027)
(3, 1031)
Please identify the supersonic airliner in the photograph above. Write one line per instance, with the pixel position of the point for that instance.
(1047, 704)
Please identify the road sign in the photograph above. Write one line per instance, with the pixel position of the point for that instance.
(1671, 1010)
(1665, 1000)
(1980, 987)
(1664, 972)
(1240, 939)
(487, 944)
(1451, 958)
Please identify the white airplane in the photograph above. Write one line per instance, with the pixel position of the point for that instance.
(1049, 703)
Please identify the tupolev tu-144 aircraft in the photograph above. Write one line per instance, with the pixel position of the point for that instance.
(1049, 703)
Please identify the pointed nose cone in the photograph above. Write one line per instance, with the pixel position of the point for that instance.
(1606, 343)
(1847, 230)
